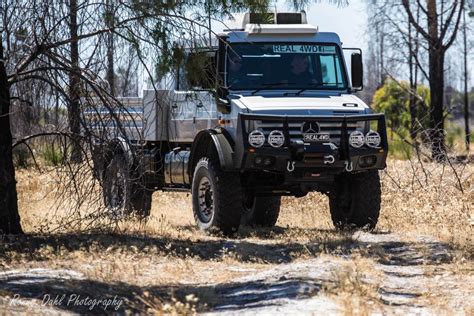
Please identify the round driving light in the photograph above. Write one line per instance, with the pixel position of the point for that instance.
(356, 139)
(372, 139)
(276, 139)
(256, 138)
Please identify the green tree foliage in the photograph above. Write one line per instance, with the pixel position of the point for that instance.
(393, 100)
(173, 25)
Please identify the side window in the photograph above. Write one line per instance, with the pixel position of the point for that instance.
(330, 70)
(197, 71)
(181, 82)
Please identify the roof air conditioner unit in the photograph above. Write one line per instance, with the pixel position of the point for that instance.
(274, 18)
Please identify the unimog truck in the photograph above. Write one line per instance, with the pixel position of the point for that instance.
(274, 115)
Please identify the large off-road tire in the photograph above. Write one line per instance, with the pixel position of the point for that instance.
(261, 210)
(98, 167)
(355, 200)
(123, 193)
(117, 186)
(217, 197)
(141, 200)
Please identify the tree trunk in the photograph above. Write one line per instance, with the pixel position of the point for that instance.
(435, 36)
(413, 44)
(466, 95)
(110, 46)
(74, 112)
(382, 67)
(436, 74)
(411, 100)
(436, 69)
(9, 217)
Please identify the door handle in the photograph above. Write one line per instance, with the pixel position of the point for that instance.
(174, 106)
(200, 105)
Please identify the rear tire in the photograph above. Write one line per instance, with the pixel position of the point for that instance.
(116, 187)
(355, 200)
(216, 197)
(261, 210)
(122, 194)
(141, 201)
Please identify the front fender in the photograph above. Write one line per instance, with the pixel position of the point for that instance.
(224, 150)
(201, 144)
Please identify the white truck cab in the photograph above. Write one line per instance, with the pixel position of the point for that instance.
(275, 114)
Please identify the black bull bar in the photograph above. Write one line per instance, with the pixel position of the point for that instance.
(345, 151)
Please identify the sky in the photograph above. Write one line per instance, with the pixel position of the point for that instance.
(349, 22)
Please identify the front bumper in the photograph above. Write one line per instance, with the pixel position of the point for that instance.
(301, 160)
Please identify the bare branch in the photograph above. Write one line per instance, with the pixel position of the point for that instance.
(419, 29)
(456, 27)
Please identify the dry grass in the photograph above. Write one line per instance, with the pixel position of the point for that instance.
(424, 202)
(356, 286)
(166, 257)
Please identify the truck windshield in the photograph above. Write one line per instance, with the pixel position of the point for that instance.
(284, 66)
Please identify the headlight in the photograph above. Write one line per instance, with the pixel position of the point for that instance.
(256, 139)
(276, 139)
(356, 139)
(372, 139)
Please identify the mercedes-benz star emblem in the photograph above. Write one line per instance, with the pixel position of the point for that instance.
(312, 132)
(310, 127)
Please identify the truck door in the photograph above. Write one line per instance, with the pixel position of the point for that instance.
(182, 112)
(206, 112)
(191, 112)
(193, 108)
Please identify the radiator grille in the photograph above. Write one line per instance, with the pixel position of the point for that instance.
(333, 128)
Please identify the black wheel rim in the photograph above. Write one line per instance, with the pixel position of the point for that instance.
(205, 200)
(116, 189)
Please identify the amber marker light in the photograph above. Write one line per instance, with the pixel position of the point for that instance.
(251, 150)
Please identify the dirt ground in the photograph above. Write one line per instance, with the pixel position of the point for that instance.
(419, 260)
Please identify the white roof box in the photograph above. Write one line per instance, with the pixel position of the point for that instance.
(254, 29)
(274, 18)
(277, 23)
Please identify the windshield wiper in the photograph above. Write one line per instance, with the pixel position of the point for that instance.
(313, 85)
(271, 85)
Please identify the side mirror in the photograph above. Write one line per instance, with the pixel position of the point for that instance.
(357, 71)
(222, 102)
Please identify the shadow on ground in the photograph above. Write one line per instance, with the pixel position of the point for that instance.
(127, 297)
(30, 246)
(382, 248)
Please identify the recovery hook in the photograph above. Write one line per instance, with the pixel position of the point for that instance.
(348, 165)
(290, 166)
(329, 159)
